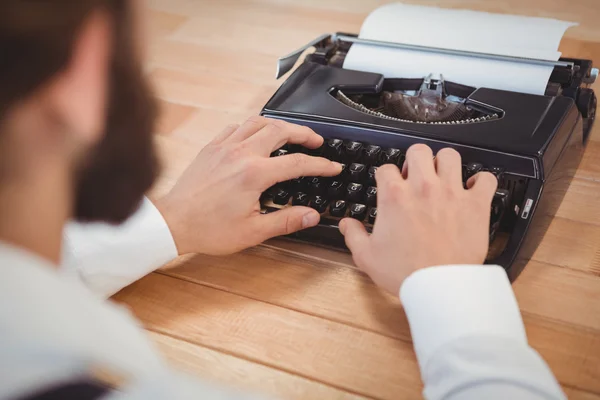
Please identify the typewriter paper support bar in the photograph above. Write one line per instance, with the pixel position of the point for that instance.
(286, 63)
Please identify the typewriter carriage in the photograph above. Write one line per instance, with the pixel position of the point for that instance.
(571, 77)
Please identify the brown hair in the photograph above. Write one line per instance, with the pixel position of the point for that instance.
(36, 41)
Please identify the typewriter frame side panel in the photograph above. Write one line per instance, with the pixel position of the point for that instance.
(546, 197)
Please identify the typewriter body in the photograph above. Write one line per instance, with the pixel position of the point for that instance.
(532, 143)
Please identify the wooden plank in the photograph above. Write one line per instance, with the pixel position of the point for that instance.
(337, 293)
(252, 28)
(583, 11)
(590, 163)
(342, 356)
(347, 357)
(572, 353)
(560, 294)
(160, 24)
(205, 124)
(576, 394)
(172, 116)
(580, 203)
(570, 244)
(205, 90)
(178, 55)
(240, 374)
(330, 291)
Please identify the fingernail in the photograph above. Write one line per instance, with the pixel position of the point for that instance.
(310, 219)
(337, 165)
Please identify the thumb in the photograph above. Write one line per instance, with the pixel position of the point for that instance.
(357, 239)
(285, 221)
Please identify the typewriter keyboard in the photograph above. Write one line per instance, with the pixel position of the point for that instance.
(353, 193)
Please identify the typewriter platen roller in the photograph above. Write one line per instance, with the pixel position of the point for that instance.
(532, 143)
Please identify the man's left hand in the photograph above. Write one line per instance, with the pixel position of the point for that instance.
(214, 207)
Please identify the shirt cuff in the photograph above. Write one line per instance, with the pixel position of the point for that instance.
(106, 258)
(445, 303)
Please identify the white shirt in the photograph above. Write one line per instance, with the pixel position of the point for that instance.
(467, 331)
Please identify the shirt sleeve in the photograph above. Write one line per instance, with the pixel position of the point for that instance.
(469, 336)
(106, 258)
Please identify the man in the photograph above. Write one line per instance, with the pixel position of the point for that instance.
(76, 117)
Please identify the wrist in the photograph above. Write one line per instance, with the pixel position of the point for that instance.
(169, 213)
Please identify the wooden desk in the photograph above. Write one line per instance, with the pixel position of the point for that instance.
(299, 326)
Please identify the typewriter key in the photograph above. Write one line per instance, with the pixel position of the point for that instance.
(316, 185)
(372, 154)
(338, 208)
(281, 197)
(497, 171)
(335, 189)
(372, 215)
(354, 192)
(334, 149)
(357, 172)
(280, 152)
(319, 203)
(471, 169)
(353, 150)
(343, 173)
(391, 156)
(372, 171)
(298, 184)
(358, 211)
(318, 152)
(372, 196)
(269, 193)
(300, 199)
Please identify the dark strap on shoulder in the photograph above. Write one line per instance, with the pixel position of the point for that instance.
(78, 390)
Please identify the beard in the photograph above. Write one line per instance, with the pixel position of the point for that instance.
(123, 165)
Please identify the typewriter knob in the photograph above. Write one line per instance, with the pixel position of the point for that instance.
(586, 103)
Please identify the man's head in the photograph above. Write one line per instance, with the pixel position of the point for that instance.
(72, 91)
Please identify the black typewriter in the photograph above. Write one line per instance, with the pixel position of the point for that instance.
(532, 143)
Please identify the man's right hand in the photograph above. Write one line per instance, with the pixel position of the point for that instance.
(425, 217)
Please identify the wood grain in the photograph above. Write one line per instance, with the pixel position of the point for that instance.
(242, 374)
(296, 321)
(339, 355)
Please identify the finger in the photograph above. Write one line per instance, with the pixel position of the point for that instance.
(274, 135)
(483, 185)
(419, 161)
(390, 185)
(448, 165)
(225, 133)
(388, 177)
(249, 128)
(357, 239)
(285, 221)
(386, 173)
(295, 165)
